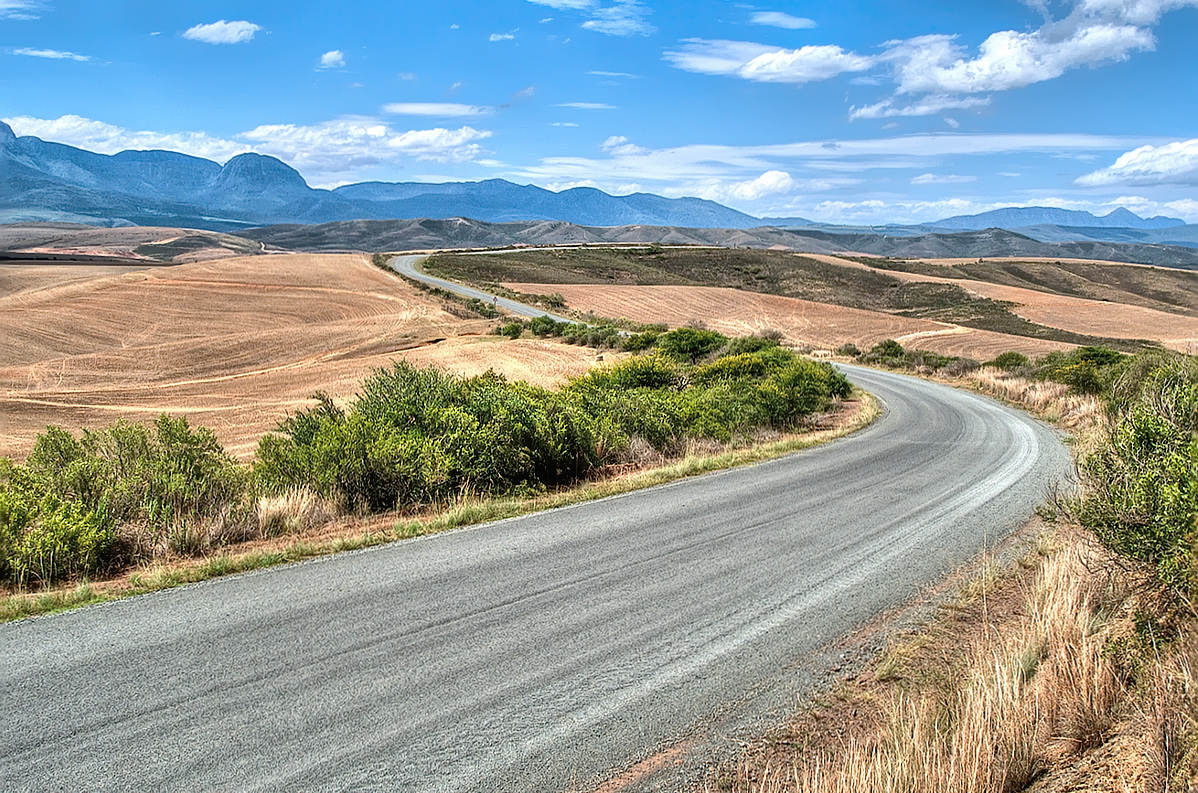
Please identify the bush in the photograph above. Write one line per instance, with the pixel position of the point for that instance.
(849, 350)
(1009, 361)
(690, 344)
(1141, 496)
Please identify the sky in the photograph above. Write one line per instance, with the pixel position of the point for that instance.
(842, 111)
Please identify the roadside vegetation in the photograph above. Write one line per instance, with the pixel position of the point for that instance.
(1074, 669)
(413, 439)
(870, 287)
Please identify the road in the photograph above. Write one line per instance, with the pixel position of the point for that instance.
(407, 266)
(534, 654)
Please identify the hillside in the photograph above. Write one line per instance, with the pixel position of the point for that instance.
(413, 235)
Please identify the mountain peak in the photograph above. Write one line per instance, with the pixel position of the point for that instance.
(6, 133)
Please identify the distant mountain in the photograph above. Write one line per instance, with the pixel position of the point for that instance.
(51, 181)
(1019, 217)
(1186, 236)
(432, 234)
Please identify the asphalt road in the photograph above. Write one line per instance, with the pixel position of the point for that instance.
(535, 654)
(406, 265)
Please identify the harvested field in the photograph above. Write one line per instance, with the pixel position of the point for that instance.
(149, 243)
(819, 325)
(1117, 317)
(233, 344)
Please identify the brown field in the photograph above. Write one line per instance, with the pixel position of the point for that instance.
(803, 322)
(233, 344)
(1075, 314)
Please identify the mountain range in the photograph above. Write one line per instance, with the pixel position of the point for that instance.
(44, 181)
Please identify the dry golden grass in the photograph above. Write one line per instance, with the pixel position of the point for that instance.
(1051, 401)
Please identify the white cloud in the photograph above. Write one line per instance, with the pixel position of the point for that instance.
(57, 55)
(616, 18)
(587, 106)
(619, 146)
(1008, 59)
(769, 183)
(439, 109)
(502, 37)
(1172, 163)
(564, 124)
(222, 32)
(333, 59)
(927, 106)
(931, 178)
(19, 9)
(778, 19)
(614, 74)
(333, 152)
(625, 18)
(762, 63)
(567, 5)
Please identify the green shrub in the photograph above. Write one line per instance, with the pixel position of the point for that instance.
(690, 344)
(849, 350)
(1009, 361)
(1141, 494)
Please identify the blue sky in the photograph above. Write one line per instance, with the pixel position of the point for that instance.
(858, 111)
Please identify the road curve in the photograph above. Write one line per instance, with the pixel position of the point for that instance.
(538, 653)
(407, 266)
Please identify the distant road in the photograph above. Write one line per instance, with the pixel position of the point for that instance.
(407, 266)
(534, 654)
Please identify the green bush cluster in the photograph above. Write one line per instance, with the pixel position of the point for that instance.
(423, 435)
(1141, 494)
(892, 355)
(60, 511)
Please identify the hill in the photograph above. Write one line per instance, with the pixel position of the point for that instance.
(1018, 217)
(408, 235)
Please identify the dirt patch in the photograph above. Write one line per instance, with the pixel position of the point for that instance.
(234, 344)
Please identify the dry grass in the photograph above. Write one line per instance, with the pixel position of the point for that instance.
(1050, 401)
(293, 512)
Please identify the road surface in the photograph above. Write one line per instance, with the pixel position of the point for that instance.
(407, 266)
(534, 654)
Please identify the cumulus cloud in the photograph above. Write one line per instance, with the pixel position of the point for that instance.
(57, 55)
(1173, 163)
(439, 109)
(333, 59)
(222, 32)
(1009, 59)
(501, 37)
(762, 63)
(333, 152)
(769, 183)
(778, 19)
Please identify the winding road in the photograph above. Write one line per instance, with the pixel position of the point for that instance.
(536, 654)
(407, 266)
